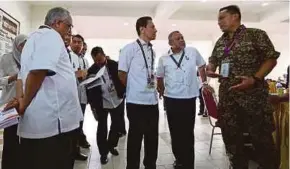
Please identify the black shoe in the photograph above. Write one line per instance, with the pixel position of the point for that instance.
(104, 160)
(177, 165)
(114, 152)
(81, 157)
(122, 134)
(200, 113)
(85, 144)
(204, 115)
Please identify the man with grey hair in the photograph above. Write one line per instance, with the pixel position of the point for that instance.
(177, 82)
(49, 107)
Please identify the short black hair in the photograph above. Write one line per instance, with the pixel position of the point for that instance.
(85, 44)
(142, 22)
(78, 36)
(232, 9)
(171, 34)
(97, 50)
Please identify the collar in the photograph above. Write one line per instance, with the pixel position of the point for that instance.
(171, 53)
(44, 26)
(240, 29)
(144, 43)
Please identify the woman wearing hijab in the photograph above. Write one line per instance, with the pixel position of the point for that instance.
(9, 68)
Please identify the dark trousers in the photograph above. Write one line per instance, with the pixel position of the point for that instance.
(143, 122)
(11, 149)
(201, 102)
(181, 119)
(122, 123)
(82, 136)
(105, 142)
(49, 153)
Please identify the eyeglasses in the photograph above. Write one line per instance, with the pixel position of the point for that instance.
(69, 25)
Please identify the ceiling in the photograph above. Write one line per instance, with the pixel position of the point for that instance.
(196, 19)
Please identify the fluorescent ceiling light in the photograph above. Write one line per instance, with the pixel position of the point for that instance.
(126, 23)
(173, 24)
(265, 4)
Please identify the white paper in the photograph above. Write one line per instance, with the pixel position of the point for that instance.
(91, 79)
(8, 117)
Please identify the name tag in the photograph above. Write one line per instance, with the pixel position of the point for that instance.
(225, 69)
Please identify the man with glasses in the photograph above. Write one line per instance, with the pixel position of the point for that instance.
(49, 106)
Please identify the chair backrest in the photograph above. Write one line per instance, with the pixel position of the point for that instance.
(210, 103)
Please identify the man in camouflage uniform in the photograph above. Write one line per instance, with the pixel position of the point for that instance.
(244, 57)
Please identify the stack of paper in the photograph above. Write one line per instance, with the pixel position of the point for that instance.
(8, 118)
(94, 80)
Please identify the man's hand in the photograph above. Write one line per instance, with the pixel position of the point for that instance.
(247, 83)
(212, 74)
(11, 104)
(81, 74)
(22, 106)
(161, 92)
(12, 78)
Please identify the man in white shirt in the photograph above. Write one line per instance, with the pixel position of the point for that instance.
(49, 108)
(177, 81)
(136, 71)
(80, 64)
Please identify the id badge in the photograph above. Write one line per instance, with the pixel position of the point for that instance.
(225, 69)
(111, 88)
(179, 76)
(150, 83)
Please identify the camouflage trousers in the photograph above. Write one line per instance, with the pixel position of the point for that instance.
(247, 136)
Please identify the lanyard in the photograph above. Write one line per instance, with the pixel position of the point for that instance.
(144, 57)
(69, 55)
(180, 60)
(230, 45)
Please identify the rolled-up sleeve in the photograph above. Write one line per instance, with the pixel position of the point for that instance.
(199, 59)
(47, 52)
(265, 46)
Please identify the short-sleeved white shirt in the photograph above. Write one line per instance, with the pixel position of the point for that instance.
(131, 61)
(180, 82)
(55, 108)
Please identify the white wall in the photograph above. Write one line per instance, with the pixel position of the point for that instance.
(21, 11)
(112, 47)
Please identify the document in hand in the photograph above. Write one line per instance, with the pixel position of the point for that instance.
(8, 118)
(95, 80)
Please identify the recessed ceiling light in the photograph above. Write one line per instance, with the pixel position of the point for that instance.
(265, 4)
(173, 24)
(126, 23)
(203, 0)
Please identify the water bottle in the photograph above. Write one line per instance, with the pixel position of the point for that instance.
(279, 89)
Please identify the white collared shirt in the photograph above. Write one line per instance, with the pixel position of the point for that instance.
(131, 61)
(55, 109)
(180, 82)
(80, 63)
(109, 93)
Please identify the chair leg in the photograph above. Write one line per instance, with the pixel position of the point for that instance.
(211, 139)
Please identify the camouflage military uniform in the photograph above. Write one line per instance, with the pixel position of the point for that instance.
(248, 110)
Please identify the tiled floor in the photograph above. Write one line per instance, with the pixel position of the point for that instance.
(217, 159)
